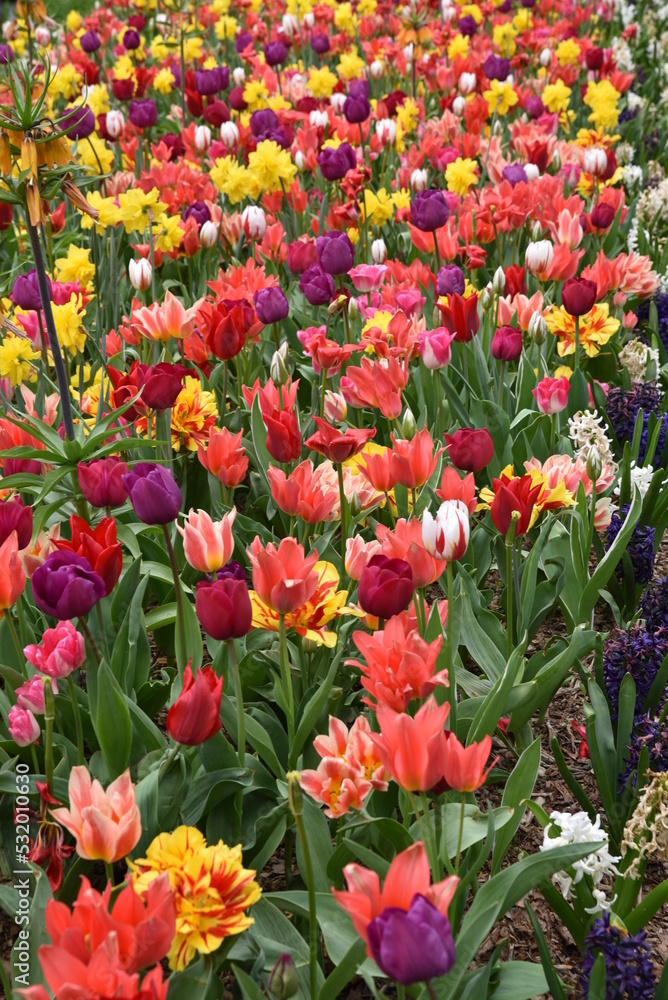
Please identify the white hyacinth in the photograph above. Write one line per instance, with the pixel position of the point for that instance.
(587, 432)
(577, 828)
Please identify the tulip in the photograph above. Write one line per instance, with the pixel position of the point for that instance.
(229, 136)
(413, 462)
(143, 113)
(386, 586)
(195, 715)
(470, 449)
(131, 39)
(90, 41)
(284, 439)
(140, 273)
(283, 578)
(450, 279)
(551, 394)
(283, 980)
(316, 285)
(464, 767)
(415, 945)
(15, 517)
(25, 292)
(224, 457)
(223, 606)
(320, 44)
(453, 487)
(412, 749)
(358, 553)
(335, 163)
(602, 216)
(101, 481)
(516, 495)
(337, 445)
(161, 384)
(507, 343)
(447, 535)
(253, 222)
(538, 256)
(336, 407)
(356, 108)
(271, 305)
(594, 58)
(65, 586)
(496, 68)
(105, 825)
(115, 124)
(225, 326)
(429, 210)
(460, 316)
(207, 544)
(153, 493)
(98, 546)
(579, 296)
(302, 255)
(78, 122)
(378, 251)
(335, 252)
(63, 649)
(595, 161)
(22, 725)
(199, 211)
(30, 695)
(435, 347)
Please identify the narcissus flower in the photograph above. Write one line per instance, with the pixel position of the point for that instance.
(212, 889)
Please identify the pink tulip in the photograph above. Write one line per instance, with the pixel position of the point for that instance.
(368, 277)
(105, 825)
(23, 726)
(435, 347)
(31, 695)
(552, 394)
(63, 649)
(208, 544)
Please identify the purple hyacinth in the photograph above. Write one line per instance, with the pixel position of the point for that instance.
(629, 974)
(661, 303)
(637, 652)
(640, 548)
(623, 406)
(654, 605)
(652, 735)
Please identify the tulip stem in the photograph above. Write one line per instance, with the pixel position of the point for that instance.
(15, 639)
(449, 651)
(344, 521)
(109, 869)
(287, 679)
(462, 810)
(241, 735)
(49, 716)
(90, 640)
(77, 720)
(181, 651)
(510, 542)
(401, 991)
(431, 990)
(312, 912)
(433, 847)
(576, 359)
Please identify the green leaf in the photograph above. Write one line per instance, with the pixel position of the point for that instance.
(124, 653)
(113, 725)
(211, 787)
(275, 934)
(250, 990)
(550, 677)
(195, 981)
(608, 563)
(520, 981)
(477, 641)
(345, 970)
(519, 788)
(320, 845)
(474, 828)
(597, 980)
(194, 649)
(551, 977)
(312, 712)
(33, 933)
(493, 706)
(648, 908)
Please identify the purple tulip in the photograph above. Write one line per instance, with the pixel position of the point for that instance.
(316, 286)
(199, 211)
(262, 121)
(496, 68)
(271, 305)
(468, 25)
(6, 54)
(210, 81)
(335, 163)
(242, 41)
(429, 210)
(356, 109)
(65, 586)
(320, 44)
(90, 41)
(602, 216)
(223, 74)
(534, 107)
(153, 493)
(143, 113)
(450, 280)
(386, 586)
(78, 122)
(25, 292)
(514, 174)
(275, 53)
(412, 946)
(335, 252)
(131, 39)
(277, 135)
(15, 517)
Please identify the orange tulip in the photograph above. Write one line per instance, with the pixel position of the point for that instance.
(464, 767)
(412, 749)
(454, 487)
(283, 577)
(413, 462)
(105, 825)
(12, 577)
(224, 457)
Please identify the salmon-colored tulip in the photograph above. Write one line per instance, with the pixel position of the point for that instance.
(207, 544)
(283, 577)
(454, 487)
(12, 577)
(408, 876)
(105, 825)
(413, 462)
(224, 457)
(464, 767)
(412, 748)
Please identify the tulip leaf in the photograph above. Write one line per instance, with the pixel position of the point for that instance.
(128, 640)
(198, 980)
(250, 990)
(211, 787)
(521, 981)
(312, 712)
(194, 649)
(275, 935)
(345, 970)
(320, 845)
(475, 637)
(608, 563)
(113, 725)
(519, 787)
(493, 706)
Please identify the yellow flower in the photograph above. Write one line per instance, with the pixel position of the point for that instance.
(602, 98)
(212, 890)
(75, 266)
(459, 46)
(408, 115)
(226, 28)
(107, 210)
(193, 49)
(595, 329)
(344, 19)
(73, 20)
(164, 81)
(322, 81)
(231, 178)
(168, 232)
(309, 620)
(365, 8)
(353, 235)
(460, 175)
(124, 68)
(255, 94)
(523, 20)
(16, 355)
(379, 321)
(473, 10)
(67, 319)
(98, 99)
(65, 83)
(503, 38)
(568, 52)
(134, 208)
(271, 166)
(350, 66)
(401, 198)
(556, 96)
(94, 152)
(159, 49)
(378, 206)
(193, 413)
(500, 97)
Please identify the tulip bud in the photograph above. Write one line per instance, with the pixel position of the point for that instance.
(353, 308)
(556, 160)
(42, 35)
(499, 281)
(536, 231)
(538, 328)
(408, 426)
(337, 101)
(283, 980)
(239, 76)
(295, 797)
(115, 124)
(539, 256)
(202, 138)
(378, 251)
(408, 52)
(459, 106)
(532, 171)
(309, 19)
(278, 369)
(376, 69)
(253, 222)
(141, 274)
(595, 161)
(300, 161)
(336, 407)
(498, 128)
(418, 180)
(355, 505)
(594, 464)
(386, 130)
(486, 297)
(229, 135)
(208, 235)
(318, 119)
(545, 57)
(290, 25)
(467, 83)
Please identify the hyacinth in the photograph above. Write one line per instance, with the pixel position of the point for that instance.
(654, 605)
(638, 652)
(577, 828)
(646, 832)
(628, 961)
(661, 303)
(622, 407)
(640, 547)
(651, 734)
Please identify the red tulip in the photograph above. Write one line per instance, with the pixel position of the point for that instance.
(578, 296)
(336, 445)
(513, 495)
(99, 546)
(284, 439)
(470, 449)
(195, 715)
(461, 316)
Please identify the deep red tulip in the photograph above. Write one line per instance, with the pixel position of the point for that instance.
(195, 715)
(386, 586)
(284, 439)
(507, 343)
(470, 449)
(101, 481)
(578, 296)
(461, 317)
